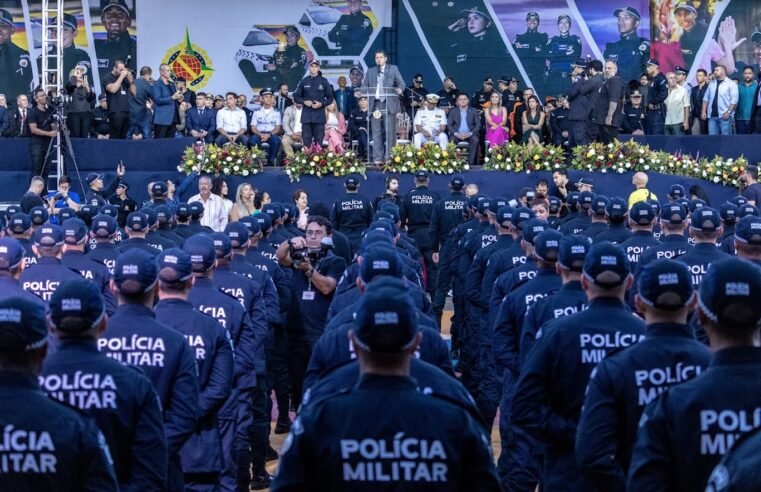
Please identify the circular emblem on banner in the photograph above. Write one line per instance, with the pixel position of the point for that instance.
(191, 62)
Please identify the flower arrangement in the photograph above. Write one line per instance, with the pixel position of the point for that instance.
(620, 157)
(323, 162)
(232, 159)
(517, 158)
(408, 159)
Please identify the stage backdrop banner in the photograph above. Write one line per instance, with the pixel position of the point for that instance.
(256, 44)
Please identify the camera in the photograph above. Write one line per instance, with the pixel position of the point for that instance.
(60, 100)
(312, 255)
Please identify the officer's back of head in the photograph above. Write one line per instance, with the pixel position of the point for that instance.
(48, 241)
(705, 225)
(23, 335)
(239, 233)
(606, 272)
(11, 257)
(748, 238)
(571, 256)
(664, 292)
(385, 334)
(203, 255)
(617, 210)
(175, 273)
(223, 247)
(673, 218)
(641, 217)
(547, 247)
(378, 260)
(77, 310)
(728, 307)
(135, 276)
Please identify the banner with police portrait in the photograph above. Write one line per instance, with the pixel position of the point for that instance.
(258, 44)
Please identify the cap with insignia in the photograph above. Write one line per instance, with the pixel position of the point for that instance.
(627, 10)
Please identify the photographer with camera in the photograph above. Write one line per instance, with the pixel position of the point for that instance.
(316, 271)
(62, 198)
(42, 128)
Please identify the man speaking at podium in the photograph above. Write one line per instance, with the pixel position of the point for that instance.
(383, 85)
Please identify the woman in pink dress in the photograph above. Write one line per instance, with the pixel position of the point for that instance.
(496, 121)
(335, 128)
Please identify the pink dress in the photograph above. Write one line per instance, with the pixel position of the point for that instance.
(496, 136)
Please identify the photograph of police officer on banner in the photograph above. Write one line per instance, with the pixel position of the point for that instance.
(271, 55)
(114, 32)
(15, 66)
(341, 28)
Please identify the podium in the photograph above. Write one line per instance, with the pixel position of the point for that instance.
(377, 115)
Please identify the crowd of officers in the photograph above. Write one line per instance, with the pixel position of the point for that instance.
(144, 356)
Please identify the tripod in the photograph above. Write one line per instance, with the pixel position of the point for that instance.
(56, 148)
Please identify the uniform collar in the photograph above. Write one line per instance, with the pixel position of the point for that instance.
(17, 379)
(607, 302)
(73, 253)
(572, 286)
(643, 233)
(135, 310)
(88, 345)
(386, 383)
(203, 282)
(48, 260)
(174, 302)
(737, 355)
(674, 238)
(705, 246)
(669, 330)
(547, 271)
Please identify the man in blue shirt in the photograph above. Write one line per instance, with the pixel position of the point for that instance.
(746, 91)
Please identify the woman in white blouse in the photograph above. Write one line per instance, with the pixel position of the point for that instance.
(244, 202)
(220, 188)
(301, 200)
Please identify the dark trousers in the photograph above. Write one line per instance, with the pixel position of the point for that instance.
(259, 430)
(742, 127)
(312, 133)
(655, 122)
(222, 140)
(38, 148)
(361, 137)
(118, 124)
(443, 282)
(756, 122)
(277, 371)
(578, 134)
(606, 133)
(163, 131)
(472, 148)
(298, 355)
(79, 124)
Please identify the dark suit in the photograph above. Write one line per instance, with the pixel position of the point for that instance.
(390, 106)
(16, 129)
(474, 126)
(207, 122)
(582, 97)
(5, 121)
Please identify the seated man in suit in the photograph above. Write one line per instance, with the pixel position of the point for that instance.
(5, 117)
(20, 117)
(200, 122)
(464, 124)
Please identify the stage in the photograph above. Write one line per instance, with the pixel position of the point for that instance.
(153, 160)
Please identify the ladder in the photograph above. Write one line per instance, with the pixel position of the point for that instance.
(52, 76)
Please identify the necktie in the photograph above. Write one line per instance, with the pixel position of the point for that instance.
(380, 84)
(281, 104)
(23, 121)
(202, 113)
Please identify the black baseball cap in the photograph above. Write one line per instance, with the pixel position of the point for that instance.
(77, 298)
(599, 205)
(573, 252)
(665, 284)
(676, 191)
(223, 247)
(386, 320)
(174, 265)
(532, 228)
(729, 294)
(748, 230)
(674, 213)
(379, 259)
(103, 226)
(627, 10)
(606, 265)
(706, 220)
(135, 271)
(48, 235)
(547, 245)
(617, 207)
(22, 325)
(202, 253)
(642, 214)
(238, 234)
(11, 253)
(74, 231)
(158, 189)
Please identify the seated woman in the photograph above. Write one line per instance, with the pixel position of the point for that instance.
(335, 128)
(495, 115)
(533, 121)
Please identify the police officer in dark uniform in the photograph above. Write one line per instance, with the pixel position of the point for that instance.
(352, 31)
(182, 216)
(202, 455)
(73, 57)
(656, 98)
(154, 239)
(568, 300)
(560, 123)
(641, 218)
(685, 432)
(137, 228)
(103, 230)
(358, 126)
(352, 212)
(729, 215)
(118, 45)
(674, 242)
(239, 418)
(11, 266)
(617, 231)
(133, 336)
(631, 51)
(49, 446)
(446, 214)
(97, 194)
(20, 229)
(120, 398)
(480, 99)
(15, 67)
(416, 213)
(386, 331)
(126, 204)
(75, 234)
(531, 48)
(705, 230)
(518, 466)
(562, 51)
(165, 218)
(314, 92)
(414, 96)
(44, 277)
(553, 380)
(289, 61)
(626, 381)
(634, 115)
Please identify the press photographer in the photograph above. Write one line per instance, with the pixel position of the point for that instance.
(316, 271)
(42, 128)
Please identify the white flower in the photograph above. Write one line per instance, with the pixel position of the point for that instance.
(330, 154)
(647, 167)
(508, 160)
(508, 167)
(486, 159)
(466, 167)
(311, 171)
(352, 169)
(236, 168)
(545, 163)
(620, 171)
(716, 179)
(450, 170)
(245, 172)
(404, 169)
(409, 154)
(288, 171)
(610, 145)
(229, 159)
(226, 170)
(179, 169)
(552, 152)
(437, 156)
(641, 151)
(628, 165)
(311, 164)
(642, 161)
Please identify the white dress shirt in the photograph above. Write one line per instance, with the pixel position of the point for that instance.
(214, 210)
(231, 121)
